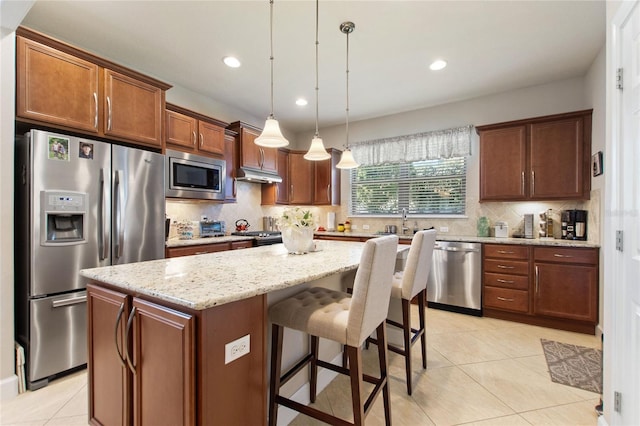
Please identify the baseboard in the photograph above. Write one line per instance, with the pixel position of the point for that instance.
(599, 331)
(602, 421)
(325, 376)
(8, 387)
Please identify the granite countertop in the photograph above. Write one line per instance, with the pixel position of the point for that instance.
(177, 242)
(203, 281)
(472, 239)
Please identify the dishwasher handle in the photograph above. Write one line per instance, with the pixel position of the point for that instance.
(457, 249)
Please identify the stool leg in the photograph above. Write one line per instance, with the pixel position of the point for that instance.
(276, 365)
(384, 367)
(313, 371)
(355, 372)
(406, 328)
(423, 338)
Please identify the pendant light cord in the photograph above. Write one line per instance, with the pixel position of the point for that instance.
(317, 8)
(347, 109)
(271, 51)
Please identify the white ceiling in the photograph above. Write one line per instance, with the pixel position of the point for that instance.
(490, 46)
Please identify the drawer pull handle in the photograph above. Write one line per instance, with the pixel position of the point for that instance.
(505, 267)
(504, 299)
(562, 255)
(505, 252)
(505, 281)
(202, 252)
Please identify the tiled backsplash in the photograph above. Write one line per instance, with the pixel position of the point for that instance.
(249, 196)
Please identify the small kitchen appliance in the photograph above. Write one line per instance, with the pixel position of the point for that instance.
(261, 238)
(212, 228)
(528, 225)
(501, 230)
(574, 224)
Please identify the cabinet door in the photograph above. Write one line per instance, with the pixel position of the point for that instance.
(163, 356)
(55, 87)
(250, 154)
(557, 154)
(566, 291)
(231, 158)
(269, 159)
(211, 138)
(278, 193)
(109, 378)
(181, 130)
(503, 163)
(300, 179)
(133, 109)
(327, 180)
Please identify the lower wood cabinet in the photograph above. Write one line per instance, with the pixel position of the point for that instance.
(145, 375)
(206, 248)
(543, 285)
(154, 363)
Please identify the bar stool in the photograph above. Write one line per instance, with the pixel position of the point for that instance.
(344, 318)
(410, 283)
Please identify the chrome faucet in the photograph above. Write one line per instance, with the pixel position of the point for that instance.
(405, 228)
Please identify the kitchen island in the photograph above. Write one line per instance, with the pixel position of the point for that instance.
(183, 340)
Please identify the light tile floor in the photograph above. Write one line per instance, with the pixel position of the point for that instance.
(481, 371)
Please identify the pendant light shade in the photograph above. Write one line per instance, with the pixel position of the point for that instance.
(317, 152)
(347, 161)
(271, 136)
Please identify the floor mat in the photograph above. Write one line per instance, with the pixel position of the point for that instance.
(572, 365)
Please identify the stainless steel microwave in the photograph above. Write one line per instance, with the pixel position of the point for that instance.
(194, 176)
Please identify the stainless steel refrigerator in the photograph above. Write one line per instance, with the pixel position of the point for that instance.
(79, 203)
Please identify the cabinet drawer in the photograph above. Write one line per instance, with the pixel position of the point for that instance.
(506, 299)
(197, 249)
(520, 282)
(566, 255)
(499, 266)
(504, 251)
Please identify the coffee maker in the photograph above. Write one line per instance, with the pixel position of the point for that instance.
(574, 224)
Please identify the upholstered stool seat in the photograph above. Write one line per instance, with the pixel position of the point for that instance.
(344, 318)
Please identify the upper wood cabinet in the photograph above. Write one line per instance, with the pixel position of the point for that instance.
(251, 155)
(543, 158)
(278, 193)
(231, 158)
(61, 86)
(192, 132)
(326, 180)
(300, 178)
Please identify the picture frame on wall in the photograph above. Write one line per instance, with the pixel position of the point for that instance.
(596, 163)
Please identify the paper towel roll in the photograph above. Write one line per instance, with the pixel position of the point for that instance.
(331, 221)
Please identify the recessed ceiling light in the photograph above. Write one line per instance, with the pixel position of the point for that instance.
(230, 61)
(301, 102)
(438, 65)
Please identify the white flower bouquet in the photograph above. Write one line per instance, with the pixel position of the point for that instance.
(297, 227)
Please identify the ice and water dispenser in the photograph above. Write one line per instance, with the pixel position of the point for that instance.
(64, 217)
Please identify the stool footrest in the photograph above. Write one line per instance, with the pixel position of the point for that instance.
(295, 369)
(311, 412)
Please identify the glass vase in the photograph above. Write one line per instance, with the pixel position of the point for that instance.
(298, 240)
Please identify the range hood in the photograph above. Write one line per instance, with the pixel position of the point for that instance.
(257, 176)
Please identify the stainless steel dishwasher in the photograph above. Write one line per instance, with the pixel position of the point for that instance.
(455, 280)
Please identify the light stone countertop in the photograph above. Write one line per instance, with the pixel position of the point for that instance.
(177, 242)
(203, 281)
(488, 240)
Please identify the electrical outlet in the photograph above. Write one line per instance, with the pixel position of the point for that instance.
(237, 348)
(444, 229)
(354, 227)
(365, 226)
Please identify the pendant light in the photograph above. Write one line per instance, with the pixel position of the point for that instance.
(347, 161)
(271, 136)
(317, 152)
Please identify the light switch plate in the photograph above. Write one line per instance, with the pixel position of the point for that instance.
(237, 348)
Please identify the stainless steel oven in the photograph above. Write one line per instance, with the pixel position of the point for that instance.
(194, 176)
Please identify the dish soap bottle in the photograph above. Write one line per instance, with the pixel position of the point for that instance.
(415, 227)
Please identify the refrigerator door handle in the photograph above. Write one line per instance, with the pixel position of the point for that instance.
(69, 301)
(132, 366)
(119, 206)
(102, 227)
